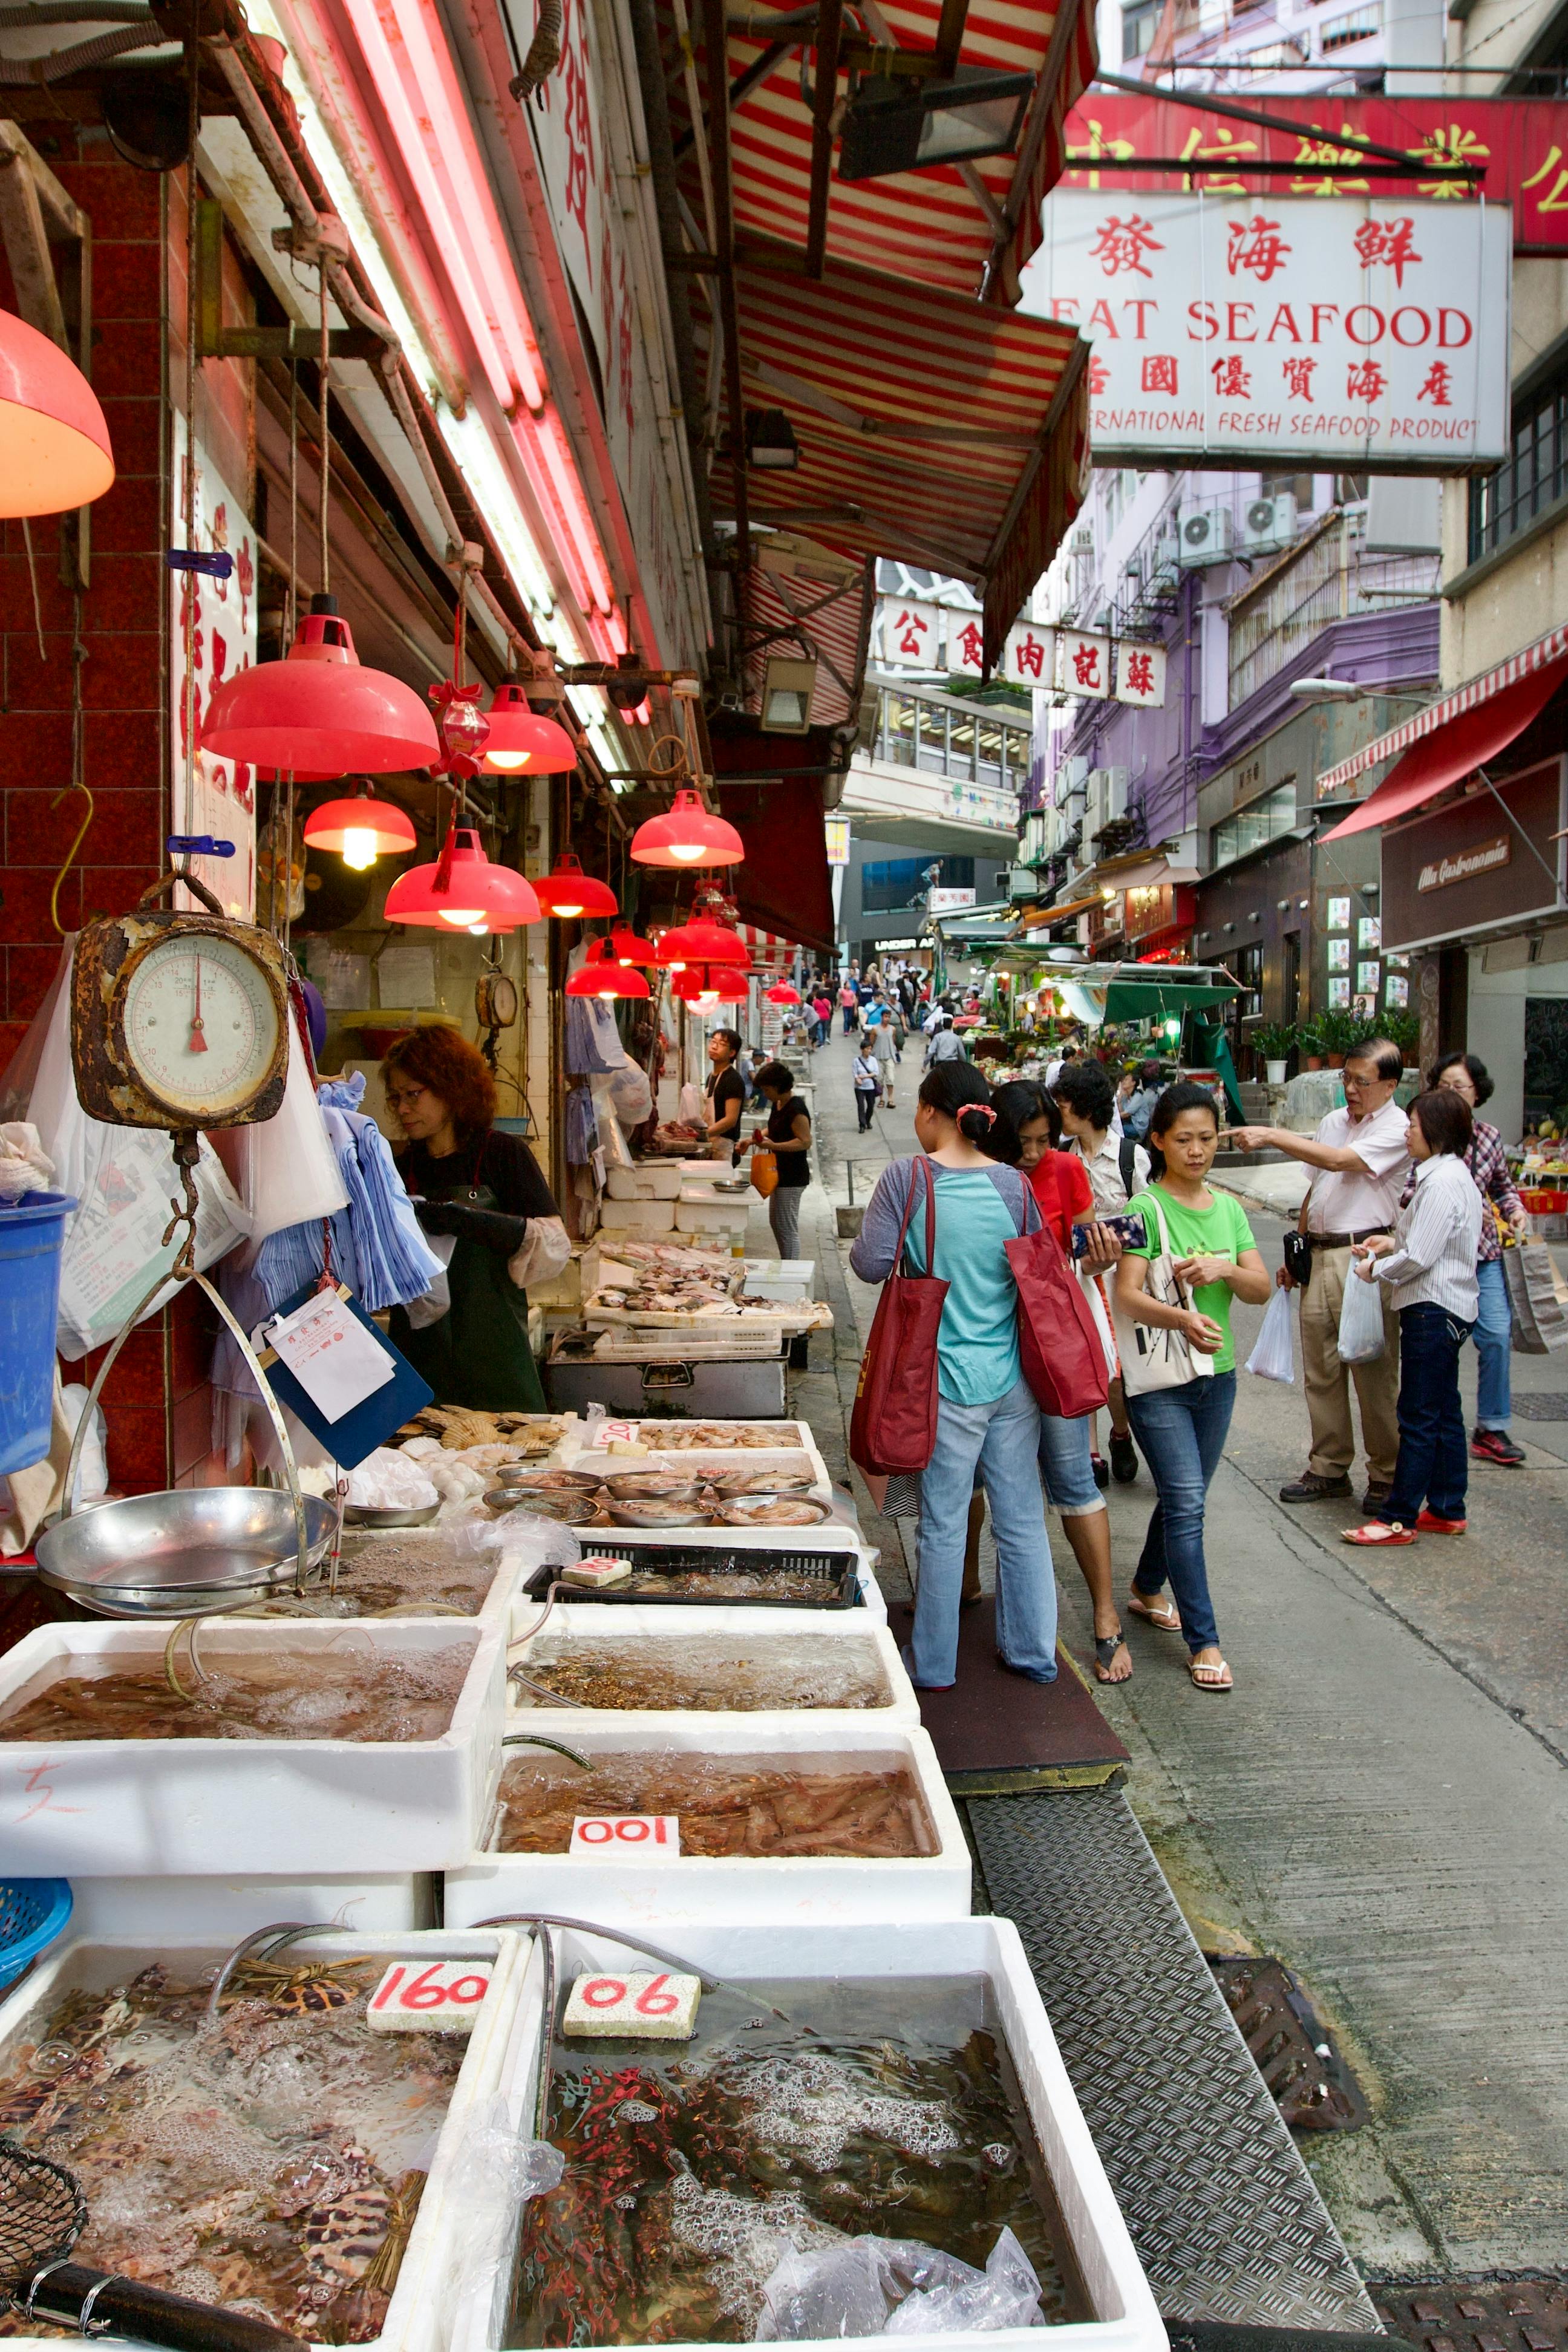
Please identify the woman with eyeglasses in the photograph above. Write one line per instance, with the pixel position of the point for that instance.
(480, 1190)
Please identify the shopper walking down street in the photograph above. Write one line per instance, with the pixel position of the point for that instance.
(865, 1078)
(945, 1044)
(822, 1007)
(1059, 1183)
(882, 1036)
(987, 1415)
(480, 1190)
(1181, 1424)
(1117, 1167)
(849, 1004)
(1493, 1334)
(1360, 1160)
(787, 1136)
(1428, 1267)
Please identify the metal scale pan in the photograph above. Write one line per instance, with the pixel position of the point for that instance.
(186, 1553)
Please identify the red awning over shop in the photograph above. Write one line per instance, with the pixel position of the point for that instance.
(784, 884)
(1452, 736)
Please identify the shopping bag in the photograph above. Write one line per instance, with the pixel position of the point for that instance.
(764, 1172)
(1361, 1339)
(1274, 1357)
(893, 1424)
(1537, 1297)
(1154, 1355)
(1059, 1349)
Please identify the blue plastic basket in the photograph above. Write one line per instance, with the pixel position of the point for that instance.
(32, 1912)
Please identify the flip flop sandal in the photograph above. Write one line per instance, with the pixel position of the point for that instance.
(1164, 1617)
(1105, 1648)
(1206, 1677)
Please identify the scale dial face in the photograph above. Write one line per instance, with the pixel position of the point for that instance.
(496, 1000)
(200, 1024)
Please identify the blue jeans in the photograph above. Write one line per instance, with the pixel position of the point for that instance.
(1002, 1438)
(1067, 1466)
(1433, 1465)
(1180, 1434)
(1493, 1336)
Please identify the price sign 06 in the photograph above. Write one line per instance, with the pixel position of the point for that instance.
(651, 1837)
(632, 2007)
(443, 1997)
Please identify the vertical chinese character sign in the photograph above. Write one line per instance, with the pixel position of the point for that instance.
(212, 796)
(1140, 674)
(1083, 664)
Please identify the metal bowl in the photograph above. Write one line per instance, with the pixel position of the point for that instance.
(367, 1515)
(653, 1487)
(545, 1482)
(182, 1554)
(746, 1511)
(566, 1510)
(655, 1515)
(730, 1485)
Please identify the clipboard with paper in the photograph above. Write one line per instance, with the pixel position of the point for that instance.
(339, 1373)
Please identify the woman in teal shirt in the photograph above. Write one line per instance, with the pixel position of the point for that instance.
(987, 1415)
(1181, 1431)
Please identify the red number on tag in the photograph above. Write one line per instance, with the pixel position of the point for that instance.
(388, 1989)
(422, 1993)
(651, 2002)
(604, 1993)
(469, 1989)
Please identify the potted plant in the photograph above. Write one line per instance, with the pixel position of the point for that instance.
(1311, 1044)
(1273, 1040)
(1338, 1033)
(1401, 1029)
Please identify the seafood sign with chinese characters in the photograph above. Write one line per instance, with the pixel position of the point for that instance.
(1349, 330)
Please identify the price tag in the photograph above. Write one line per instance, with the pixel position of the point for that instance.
(652, 1837)
(613, 1433)
(443, 1997)
(641, 2007)
(335, 1360)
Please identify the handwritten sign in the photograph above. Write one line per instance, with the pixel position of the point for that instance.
(335, 1360)
(613, 1433)
(652, 1837)
(646, 2008)
(443, 1997)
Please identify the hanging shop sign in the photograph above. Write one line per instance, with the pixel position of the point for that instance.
(1359, 331)
(836, 839)
(217, 604)
(1072, 661)
(1471, 868)
(1521, 143)
(949, 902)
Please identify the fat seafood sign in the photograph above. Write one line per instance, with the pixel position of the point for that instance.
(1356, 331)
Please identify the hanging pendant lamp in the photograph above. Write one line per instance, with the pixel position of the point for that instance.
(627, 949)
(784, 994)
(462, 890)
(521, 744)
(359, 829)
(686, 835)
(701, 941)
(710, 984)
(567, 892)
(54, 444)
(319, 709)
(601, 975)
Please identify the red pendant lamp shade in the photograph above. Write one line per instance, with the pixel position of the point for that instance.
(719, 982)
(686, 835)
(360, 829)
(784, 994)
(319, 710)
(521, 744)
(462, 890)
(700, 941)
(627, 949)
(54, 444)
(566, 891)
(601, 975)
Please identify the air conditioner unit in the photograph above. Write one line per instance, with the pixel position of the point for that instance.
(1269, 522)
(1206, 536)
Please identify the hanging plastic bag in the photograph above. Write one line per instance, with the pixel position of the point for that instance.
(432, 1304)
(285, 1169)
(1361, 1339)
(693, 1109)
(1274, 1357)
(630, 1094)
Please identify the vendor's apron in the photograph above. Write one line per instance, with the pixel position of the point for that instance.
(477, 1354)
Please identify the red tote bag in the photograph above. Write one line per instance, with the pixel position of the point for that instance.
(893, 1424)
(1059, 1349)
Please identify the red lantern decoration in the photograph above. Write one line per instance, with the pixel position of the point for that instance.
(521, 744)
(319, 710)
(359, 829)
(686, 835)
(601, 975)
(706, 985)
(567, 892)
(54, 444)
(462, 890)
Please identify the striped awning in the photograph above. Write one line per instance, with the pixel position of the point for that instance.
(771, 955)
(828, 621)
(1543, 654)
(952, 226)
(950, 434)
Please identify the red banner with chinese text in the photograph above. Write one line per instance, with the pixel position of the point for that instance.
(1521, 143)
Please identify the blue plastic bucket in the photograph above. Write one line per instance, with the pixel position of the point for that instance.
(32, 1912)
(32, 1232)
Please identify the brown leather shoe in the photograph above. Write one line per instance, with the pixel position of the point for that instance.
(1310, 1487)
(1374, 1497)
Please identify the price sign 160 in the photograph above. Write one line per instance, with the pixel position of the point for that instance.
(444, 1997)
(652, 1837)
(648, 2008)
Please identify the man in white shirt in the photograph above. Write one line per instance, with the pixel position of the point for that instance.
(1361, 1158)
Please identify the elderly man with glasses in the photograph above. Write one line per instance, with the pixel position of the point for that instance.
(1360, 1158)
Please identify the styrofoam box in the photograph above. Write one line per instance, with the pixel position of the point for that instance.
(752, 1630)
(699, 1215)
(705, 1172)
(787, 1441)
(294, 1808)
(832, 1536)
(497, 1606)
(792, 1888)
(637, 1216)
(651, 1180)
(1125, 2317)
(235, 1906)
(786, 1278)
(419, 2311)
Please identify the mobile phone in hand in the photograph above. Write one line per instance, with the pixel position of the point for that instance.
(1129, 1232)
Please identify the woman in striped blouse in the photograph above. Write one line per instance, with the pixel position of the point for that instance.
(1429, 1262)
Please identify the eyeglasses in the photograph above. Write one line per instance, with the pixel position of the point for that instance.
(403, 1097)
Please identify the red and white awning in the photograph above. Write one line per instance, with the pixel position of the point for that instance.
(1474, 723)
(828, 620)
(772, 957)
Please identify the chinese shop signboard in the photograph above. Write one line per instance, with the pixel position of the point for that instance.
(1349, 333)
(1071, 661)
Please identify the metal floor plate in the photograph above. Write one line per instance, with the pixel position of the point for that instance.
(1221, 2208)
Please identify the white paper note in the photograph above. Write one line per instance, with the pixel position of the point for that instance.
(335, 1360)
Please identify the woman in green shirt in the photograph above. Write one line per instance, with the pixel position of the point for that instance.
(1181, 1431)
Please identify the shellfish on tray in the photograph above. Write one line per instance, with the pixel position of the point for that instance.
(772, 1511)
(567, 1510)
(547, 1481)
(729, 1483)
(664, 1512)
(653, 1487)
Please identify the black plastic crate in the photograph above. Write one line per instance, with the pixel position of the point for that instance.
(837, 1571)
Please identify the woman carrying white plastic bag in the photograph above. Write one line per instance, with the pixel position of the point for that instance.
(1273, 1357)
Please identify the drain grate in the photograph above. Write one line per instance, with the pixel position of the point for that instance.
(1491, 2315)
(1549, 1407)
(1294, 2052)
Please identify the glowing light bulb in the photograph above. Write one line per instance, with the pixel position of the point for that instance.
(479, 930)
(359, 849)
(675, 967)
(708, 998)
(509, 761)
(560, 908)
(462, 918)
(686, 853)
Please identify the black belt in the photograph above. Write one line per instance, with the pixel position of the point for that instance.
(1342, 1241)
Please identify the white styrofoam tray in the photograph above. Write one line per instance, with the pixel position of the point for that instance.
(290, 1807)
(792, 1888)
(1125, 2317)
(786, 1278)
(419, 2311)
(751, 1630)
(786, 1440)
(832, 1536)
(231, 1905)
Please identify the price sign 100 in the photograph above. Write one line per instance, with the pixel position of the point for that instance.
(652, 1837)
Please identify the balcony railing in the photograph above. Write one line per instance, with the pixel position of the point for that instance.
(1327, 578)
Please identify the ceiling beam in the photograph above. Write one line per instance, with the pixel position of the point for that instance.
(825, 97)
(950, 36)
(717, 69)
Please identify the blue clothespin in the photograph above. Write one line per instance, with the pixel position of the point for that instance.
(217, 566)
(197, 845)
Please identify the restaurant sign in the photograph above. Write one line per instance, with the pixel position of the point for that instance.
(1462, 865)
(1346, 332)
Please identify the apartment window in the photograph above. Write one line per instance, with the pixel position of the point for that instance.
(990, 769)
(1261, 820)
(1360, 25)
(1531, 478)
(899, 730)
(933, 738)
(1138, 27)
(1019, 754)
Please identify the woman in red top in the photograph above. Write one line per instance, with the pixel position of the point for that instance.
(1060, 1184)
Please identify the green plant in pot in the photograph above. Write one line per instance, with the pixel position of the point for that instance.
(1274, 1041)
(1310, 1044)
(1401, 1029)
(1338, 1032)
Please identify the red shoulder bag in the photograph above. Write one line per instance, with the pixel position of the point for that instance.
(893, 1424)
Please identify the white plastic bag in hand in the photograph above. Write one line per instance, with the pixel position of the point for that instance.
(1361, 1339)
(1274, 1357)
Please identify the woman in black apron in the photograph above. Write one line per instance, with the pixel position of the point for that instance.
(480, 1187)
